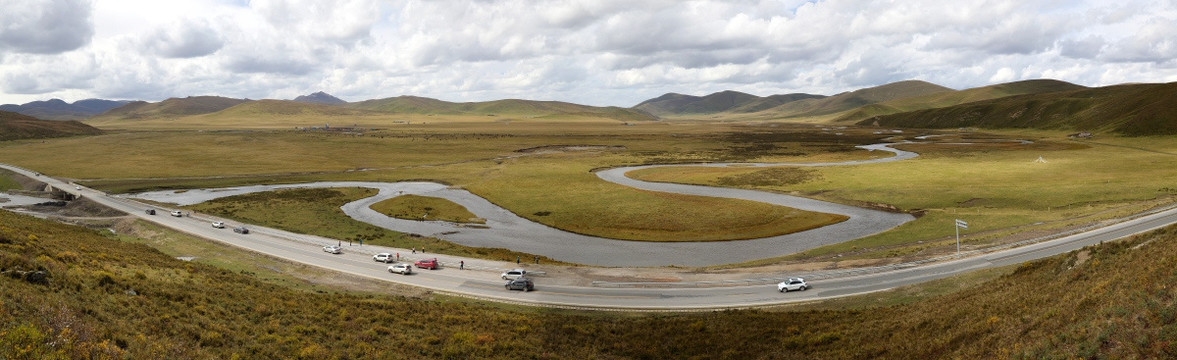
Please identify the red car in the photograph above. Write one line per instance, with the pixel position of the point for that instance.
(430, 264)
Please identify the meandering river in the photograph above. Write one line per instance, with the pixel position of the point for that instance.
(504, 229)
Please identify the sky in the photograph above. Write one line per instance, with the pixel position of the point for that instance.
(592, 52)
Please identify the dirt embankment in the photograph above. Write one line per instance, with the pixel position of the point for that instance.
(82, 207)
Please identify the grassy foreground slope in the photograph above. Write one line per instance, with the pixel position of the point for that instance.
(103, 298)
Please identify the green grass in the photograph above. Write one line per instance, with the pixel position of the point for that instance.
(416, 207)
(106, 298)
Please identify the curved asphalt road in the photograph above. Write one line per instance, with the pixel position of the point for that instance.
(481, 280)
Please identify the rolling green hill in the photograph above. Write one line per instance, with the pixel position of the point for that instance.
(1134, 110)
(14, 126)
(679, 104)
(173, 107)
(950, 98)
(406, 104)
(70, 293)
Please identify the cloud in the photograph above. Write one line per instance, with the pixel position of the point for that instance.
(1086, 48)
(1153, 42)
(187, 39)
(339, 22)
(41, 74)
(599, 52)
(44, 26)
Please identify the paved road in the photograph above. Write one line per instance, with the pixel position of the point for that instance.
(505, 229)
(482, 280)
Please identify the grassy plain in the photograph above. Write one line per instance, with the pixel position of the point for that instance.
(542, 170)
(526, 168)
(105, 298)
(416, 207)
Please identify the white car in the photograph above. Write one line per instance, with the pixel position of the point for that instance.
(792, 284)
(177, 213)
(513, 274)
(333, 249)
(401, 268)
(383, 257)
(218, 225)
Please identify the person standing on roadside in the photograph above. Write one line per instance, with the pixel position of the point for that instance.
(462, 265)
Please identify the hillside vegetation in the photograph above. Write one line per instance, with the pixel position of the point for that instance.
(69, 292)
(14, 126)
(1133, 110)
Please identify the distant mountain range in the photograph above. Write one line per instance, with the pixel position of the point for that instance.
(322, 104)
(56, 109)
(1132, 109)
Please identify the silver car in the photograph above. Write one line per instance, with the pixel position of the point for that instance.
(792, 284)
(333, 249)
(401, 268)
(513, 274)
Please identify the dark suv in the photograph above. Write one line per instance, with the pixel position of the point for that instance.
(521, 283)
